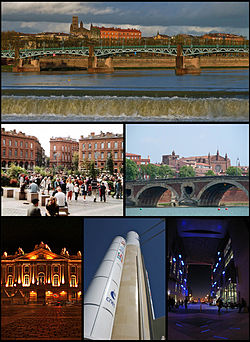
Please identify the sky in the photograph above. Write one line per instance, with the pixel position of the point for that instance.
(199, 280)
(27, 232)
(170, 18)
(100, 232)
(156, 140)
(45, 131)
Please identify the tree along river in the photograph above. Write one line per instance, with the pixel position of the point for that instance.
(126, 95)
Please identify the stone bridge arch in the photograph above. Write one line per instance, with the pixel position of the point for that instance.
(149, 195)
(212, 193)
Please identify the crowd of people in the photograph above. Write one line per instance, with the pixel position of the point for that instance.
(63, 189)
(241, 305)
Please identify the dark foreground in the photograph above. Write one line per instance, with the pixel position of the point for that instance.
(33, 322)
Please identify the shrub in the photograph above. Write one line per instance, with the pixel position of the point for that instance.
(14, 182)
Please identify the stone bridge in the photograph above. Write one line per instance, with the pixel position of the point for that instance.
(190, 191)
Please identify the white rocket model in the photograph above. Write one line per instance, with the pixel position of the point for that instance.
(101, 297)
(132, 319)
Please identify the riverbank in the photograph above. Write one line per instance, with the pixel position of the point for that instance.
(138, 63)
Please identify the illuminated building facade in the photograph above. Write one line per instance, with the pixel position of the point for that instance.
(177, 283)
(40, 276)
(177, 270)
(225, 278)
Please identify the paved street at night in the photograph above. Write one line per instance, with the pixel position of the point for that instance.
(33, 322)
(113, 207)
(207, 324)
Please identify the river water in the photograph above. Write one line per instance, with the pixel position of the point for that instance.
(201, 211)
(126, 95)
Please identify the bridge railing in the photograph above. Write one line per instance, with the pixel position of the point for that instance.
(130, 47)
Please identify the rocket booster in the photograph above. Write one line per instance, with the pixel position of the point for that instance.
(100, 300)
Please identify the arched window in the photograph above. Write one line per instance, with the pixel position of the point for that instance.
(56, 280)
(26, 280)
(73, 281)
(41, 278)
(10, 280)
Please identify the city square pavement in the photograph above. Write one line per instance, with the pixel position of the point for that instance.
(36, 322)
(112, 207)
(207, 324)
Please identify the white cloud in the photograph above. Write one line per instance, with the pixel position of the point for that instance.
(45, 27)
(70, 8)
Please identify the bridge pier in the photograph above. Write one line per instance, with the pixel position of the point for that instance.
(186, 65)
(19, 65)
(96, 65)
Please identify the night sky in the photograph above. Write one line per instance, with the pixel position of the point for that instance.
(199, 279)
(26, 232)
(98, 235)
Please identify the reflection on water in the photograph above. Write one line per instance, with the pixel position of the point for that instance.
(231, 211)
(210, 79)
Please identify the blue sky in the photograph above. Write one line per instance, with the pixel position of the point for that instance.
(187, 140)
(169, 18)
(98, 235)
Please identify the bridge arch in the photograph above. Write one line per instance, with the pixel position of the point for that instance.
(212, 193)
(149, 195)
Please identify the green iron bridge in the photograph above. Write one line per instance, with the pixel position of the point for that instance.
(100, 51)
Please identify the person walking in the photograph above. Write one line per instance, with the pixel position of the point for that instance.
(63, 186)
(103, 192)
(242, 305)
(76, 191)
(84, 188)
(94, 188)
(186, 303)
(219, 303)
(70, 188)
(118, 189)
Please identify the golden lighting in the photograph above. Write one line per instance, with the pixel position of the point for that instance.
(33, 257)
(49, 257)
(62, 292)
